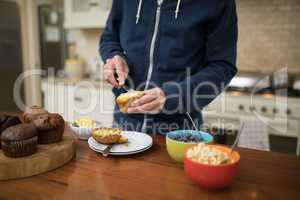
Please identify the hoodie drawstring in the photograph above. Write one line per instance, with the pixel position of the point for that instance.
(138, 14)
(177, 9)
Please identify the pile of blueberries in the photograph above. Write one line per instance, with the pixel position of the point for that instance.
(188, 138)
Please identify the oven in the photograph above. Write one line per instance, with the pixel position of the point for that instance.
(259, 97)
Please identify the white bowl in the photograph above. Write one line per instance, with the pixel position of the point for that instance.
(82, 133)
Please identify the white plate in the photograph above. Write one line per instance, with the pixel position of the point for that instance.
(137, 142)
(123, 154)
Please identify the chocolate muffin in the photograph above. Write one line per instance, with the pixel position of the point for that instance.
(31, 113)
(20, 140)
(50, 128)
(2, 120)
(7, 121)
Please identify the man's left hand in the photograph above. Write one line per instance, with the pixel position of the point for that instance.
(152, 102)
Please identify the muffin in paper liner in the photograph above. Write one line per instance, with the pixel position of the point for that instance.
(32, 112)
(7, 121)
(19, 140)
(50, 128)
(51, 136)
(21, 148)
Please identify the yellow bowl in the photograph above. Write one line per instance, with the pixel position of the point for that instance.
(177, 149)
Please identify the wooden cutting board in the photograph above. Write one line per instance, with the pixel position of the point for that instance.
(48, 157)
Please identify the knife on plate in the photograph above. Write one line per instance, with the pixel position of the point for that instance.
(107, 149)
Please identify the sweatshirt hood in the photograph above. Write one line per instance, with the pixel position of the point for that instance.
(138, 13)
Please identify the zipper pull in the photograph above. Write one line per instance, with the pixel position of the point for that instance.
(159, 2)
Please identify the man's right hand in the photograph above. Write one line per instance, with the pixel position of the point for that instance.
(117, 65)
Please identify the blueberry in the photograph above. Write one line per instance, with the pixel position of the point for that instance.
(176, 138)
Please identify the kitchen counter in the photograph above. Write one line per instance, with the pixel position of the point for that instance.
(153, 175)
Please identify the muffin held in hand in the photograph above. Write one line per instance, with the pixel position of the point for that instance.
(7, 121)
(20, 140)
(31, 113)
(125, 99)
(50, 128)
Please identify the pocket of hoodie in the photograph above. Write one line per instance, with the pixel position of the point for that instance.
(179, 55)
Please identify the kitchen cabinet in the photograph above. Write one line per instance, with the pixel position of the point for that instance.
(74, 100)
(280, 114)
(273, 111)
(11, 65)
(87, 13)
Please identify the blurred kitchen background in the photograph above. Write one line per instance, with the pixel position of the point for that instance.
(61, 37)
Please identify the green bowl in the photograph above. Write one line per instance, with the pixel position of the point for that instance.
(177, 149)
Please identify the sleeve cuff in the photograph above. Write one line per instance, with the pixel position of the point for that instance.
(111, 55)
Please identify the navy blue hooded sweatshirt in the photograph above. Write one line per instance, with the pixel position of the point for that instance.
(186, 47)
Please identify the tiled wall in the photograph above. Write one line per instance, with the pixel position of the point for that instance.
(269, 36)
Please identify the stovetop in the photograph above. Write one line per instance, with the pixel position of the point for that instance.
(258, 84)
(285, 92)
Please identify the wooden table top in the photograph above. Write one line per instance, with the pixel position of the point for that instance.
(153, 175)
